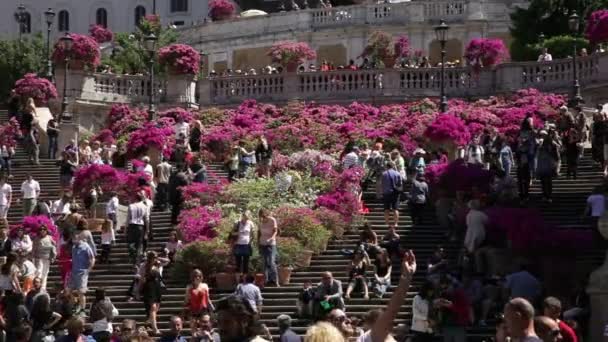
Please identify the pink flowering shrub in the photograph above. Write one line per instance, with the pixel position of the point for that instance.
(132, 183)
(151, 135)
(345, 203)
(203, 193)
(597, 27)
(31, 226)
(97, 175)
(332, 221)
(150, 24)
(101, 34)
(123, 119)
(85, 51)
(177, 112)
(180, 59)
(433, 173)
(486, 52)
(291, 53)
(302, 224)
(38, 88)
(460, 176)
(221, 9)
(402, 47)
(9, 132)
(105, 137)
(198, 224)
(448, 128)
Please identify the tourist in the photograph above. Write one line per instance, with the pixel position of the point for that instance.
(205, 332)
(232, 163)
(505, 153)
(151, 290)
(351, 158)
(323, 332)
(356, 274)
(391, 190)
(242, 236)
(60, 208)
(45, 253)
(237, 321)
(32, 146)
(382, 274)
(547, 329)
(67, 169)
(250, 293)
(23, 332)
(6, 155)
(173, 245)
(547, 163)
(368, 240)
(148, 228)
(267, 241)
(52, 133)
(598, 136)
(195, 136)
(15, 314)
(82, 229)
(545, 56)
(90, 201)
(9, 275)
(181, 128)
(197, 302)
(595, 208)
(107, 239)
(83, 260)
(43, 207)
(163, 174)
(27, 273)
(43, 318)
(199, 171)
(572, 139)
(552, 308)
(305, 300)
(338, 318)
(285, 332)
(176, 199)
(96, 153)
(522, 284)
(84, 152)
(65, 304)
(112, 211)
(475, 153)
(422, 326)
(246, 159)
(136, 220)
(64, 258)
(417, 164)
(6, 199)
(419, 194)
(475, 235)
(263, 155)
(175, 331)
(456, 311)
(71, 221)
(30, 189)
(392, 242)
(437, 265)
(21, 244)
(75, 328)
(5, 242)
(101, 315)
(33, 293)
(328, 295)
(519, 320)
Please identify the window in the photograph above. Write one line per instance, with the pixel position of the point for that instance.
(179, 6)
(64, 21)
(140, 13)
(26, 25)
(101, 17)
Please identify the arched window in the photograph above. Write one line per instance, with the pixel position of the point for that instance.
(64, 21)
(26, 26)
(140, 13)
(101, 17)
(179, 6)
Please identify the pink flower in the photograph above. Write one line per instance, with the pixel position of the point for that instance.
(448, 128)
(486, 52)
(84, 49)
(31, 226)
(597, 27)
(221, 9)
(40, 89)
(151, 135)
(176, 113)
(97, 175)
(180, 59)
(101, 34)
(402, 47)
(198, 224)
(9, 132)
(286, 53)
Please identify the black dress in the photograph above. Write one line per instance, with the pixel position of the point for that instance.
(151, 289)
(195, 139)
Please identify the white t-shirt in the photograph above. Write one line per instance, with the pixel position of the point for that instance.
(112, 205)
(244, 236)
(182, 129)
(597, 202)
(30, 190)
(60, 207)
(5, 192)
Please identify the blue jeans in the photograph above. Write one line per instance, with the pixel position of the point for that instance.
(5, 165)
(269, 257)
(52, 147)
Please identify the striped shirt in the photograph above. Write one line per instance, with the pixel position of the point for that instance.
(350, 160)
(138, 213)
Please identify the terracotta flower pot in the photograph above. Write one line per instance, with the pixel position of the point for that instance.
(305, 258)
(224, 281)
(260, 280)
(284, 275)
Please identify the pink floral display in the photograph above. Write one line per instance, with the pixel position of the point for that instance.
(38, 88)
(132, 184)
(402, 47)
(105, 137)
(31, 226)
(290, 54)
(597, 27)
(101, 34)
(9, 132)
(203, 193)
(178, 112)
(84, 50)
(180, 59)
(150, 24)
(486, 52)
(221, 9)
(123, 119)
(198, 224)
(104, 176)
(151, 135)
(448, 128)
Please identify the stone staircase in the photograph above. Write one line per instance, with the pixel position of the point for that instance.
(569, 201)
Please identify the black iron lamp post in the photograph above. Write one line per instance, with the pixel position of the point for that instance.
(20, 17)
(49, 16)
(441, 32)
(577, 99)
(150, 44)
(66, 42)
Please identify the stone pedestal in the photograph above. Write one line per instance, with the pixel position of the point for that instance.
(598, 293)
(68, 131)
(181, 89)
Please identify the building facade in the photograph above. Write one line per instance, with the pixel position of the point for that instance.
(78, 15)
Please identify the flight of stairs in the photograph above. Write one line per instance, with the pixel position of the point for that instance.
(569, 202)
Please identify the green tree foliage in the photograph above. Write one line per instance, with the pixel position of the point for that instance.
(558, 46)
(549, 17)
(18, 58)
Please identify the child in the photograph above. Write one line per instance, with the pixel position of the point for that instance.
(173, 245)
(305, 300)
(107, 238)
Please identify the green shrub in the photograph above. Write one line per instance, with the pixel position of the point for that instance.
(289, 250)
(210, 257)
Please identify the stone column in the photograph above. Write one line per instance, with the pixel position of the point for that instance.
(204, 92)
(598, 294)
(180, 89)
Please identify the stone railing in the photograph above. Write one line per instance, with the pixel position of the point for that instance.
(397, 84)
(125, 88)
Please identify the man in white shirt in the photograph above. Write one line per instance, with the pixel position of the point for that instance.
(545, 56)
(6, 197)
(61, 207)
(182, 129)
(136, 220)
(31, 191)
(112, 210)
(163, 173)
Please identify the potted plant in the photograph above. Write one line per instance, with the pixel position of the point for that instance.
(597, 27)
(179, 59)
(380, 48)
(84, 53)
(288, 250)
(198, 224)
(212, 257)
(101, 34)
(486, 52)
(305, 258)
(291, 54)
(37, 88)
(221, 9)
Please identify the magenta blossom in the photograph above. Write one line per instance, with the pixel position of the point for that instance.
(40, 89)
(221, 9)
(180, 59)
(597, 27)
(31, 226)
(486, 52)
(448, 128)
(101, 34)
(84, 50)
(198, 224)
(289, 53)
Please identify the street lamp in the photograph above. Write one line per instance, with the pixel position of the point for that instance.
(150, 45)
(441, 32)
(20, 17)
(66, 42)
(49, 16)
(573, 25)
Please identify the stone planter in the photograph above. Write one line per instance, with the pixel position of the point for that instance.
(224, 281)
(389, 62)
(260, 280)
(305, 258)
(284, 275)
(291, 67)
